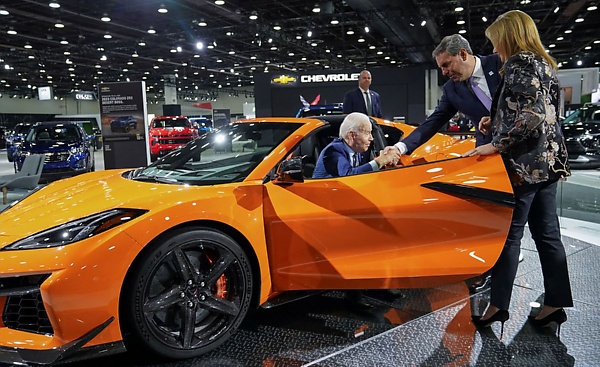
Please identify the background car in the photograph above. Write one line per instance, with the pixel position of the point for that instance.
(202, 124)
(14, 138)
(168, 259)
(582, 136)
(168, 133)
(123, 124)
(68, 149)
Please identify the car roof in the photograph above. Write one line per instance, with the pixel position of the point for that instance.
(170, 117)
(54, 123)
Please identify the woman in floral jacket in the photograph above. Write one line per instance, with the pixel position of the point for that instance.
(527, 134)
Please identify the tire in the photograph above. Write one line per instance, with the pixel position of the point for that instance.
(187, 294)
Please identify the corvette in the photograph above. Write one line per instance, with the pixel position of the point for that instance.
(169, 258)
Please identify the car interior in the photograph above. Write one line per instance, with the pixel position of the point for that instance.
(311, 146)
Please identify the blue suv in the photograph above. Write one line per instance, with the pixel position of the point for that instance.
(14, 139)
(66, 146)
(123, 123)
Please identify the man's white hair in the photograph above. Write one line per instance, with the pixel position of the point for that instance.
(353, 122)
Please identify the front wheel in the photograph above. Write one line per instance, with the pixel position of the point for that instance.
(187, 294)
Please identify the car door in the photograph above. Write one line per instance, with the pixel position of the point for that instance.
(414, 226)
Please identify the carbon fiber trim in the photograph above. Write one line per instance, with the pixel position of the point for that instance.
(491, 196)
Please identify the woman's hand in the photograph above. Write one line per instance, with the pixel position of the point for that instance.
(485, 125)
(486, 149)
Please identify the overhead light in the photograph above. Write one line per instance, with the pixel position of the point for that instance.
(462, 31)
(587, 47)
(316, 9)
(64, 42)
(179, 49)
(202, 23)
(334, 21)
(423, 23)
(277, 27)
(151, 30)
(54, 4)
(597, 41)
(105, 18)
(11, 31)
(556, 9)
(103, 58)
(142, 44)
(579, 63)
(459, 22)
(27, 45)
(199, 46)
(578, 20)
(459, 8)
(568, 31)
(3, 11)
(552, 45)
(253, 16)
(590, 8)
(107, 35)
(135, 54)
(484, 18)
(219, 2)
(349, 31)
(59, 25)
(162, 9)
(361, 40)
(560, 38)
(367, 29)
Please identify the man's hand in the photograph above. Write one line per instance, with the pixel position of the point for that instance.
(486, 149)
(391, 156)
(485, 125)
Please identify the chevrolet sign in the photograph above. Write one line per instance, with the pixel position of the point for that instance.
(283, 79)
(327, 78)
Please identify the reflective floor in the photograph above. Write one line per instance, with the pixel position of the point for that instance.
(420, 327)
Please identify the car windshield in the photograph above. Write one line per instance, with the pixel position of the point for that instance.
(64, 133)
(22, 129)
(225, 155)
(585, 113)
(172, 123)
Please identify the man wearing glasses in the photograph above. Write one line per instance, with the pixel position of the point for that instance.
(345, 156)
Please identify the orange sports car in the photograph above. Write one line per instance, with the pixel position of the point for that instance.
(170, 257)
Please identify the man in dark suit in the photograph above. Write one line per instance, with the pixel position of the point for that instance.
(470, 90)
(470, 76)
(345, 156)
(362, 99)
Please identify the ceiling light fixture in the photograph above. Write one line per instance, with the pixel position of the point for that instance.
(590, 8)
(151, 30)
(4, 11)
(54, 4)
(578, 20)
(253, 16)
(462, 31)
(142, 44)
(219, 2)
(484, 18)
(64, 42)
(202, 23)
(367, 29)
(107, 35)
(460, 22)
(162, 9)
(59, 24)
(459, 9)
(423, 23)
(556, 9)
(105, 18)
(316, 9)
(11, 31)
(277, 27)
(334, 21)
(199, 46)
(27, 45)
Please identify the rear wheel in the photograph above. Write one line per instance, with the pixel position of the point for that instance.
(187, 295)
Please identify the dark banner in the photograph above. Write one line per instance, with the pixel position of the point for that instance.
(221, 117)
(123, 123)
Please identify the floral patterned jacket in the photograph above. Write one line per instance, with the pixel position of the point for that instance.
(526, 130)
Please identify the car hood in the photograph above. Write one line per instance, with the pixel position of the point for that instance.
(81, 196)
(172, 131)
(50, 146)
(581, 128)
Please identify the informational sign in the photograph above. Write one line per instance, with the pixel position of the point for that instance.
(44, 93)
(124, 125)
(221, 117)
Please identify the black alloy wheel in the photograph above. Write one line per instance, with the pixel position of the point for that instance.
(187, 295)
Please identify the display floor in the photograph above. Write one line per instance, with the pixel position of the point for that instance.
(418, 327)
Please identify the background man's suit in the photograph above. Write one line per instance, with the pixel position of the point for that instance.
(354, 101)
(335, 161)
(459, 96)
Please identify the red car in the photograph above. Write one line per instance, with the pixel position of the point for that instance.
(168, 133)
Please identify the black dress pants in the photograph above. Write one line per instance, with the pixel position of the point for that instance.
(536, 204)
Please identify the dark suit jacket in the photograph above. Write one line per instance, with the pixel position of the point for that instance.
(458, 96)
(354, 101)
(335, 161)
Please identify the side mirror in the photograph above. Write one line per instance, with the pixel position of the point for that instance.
(289, 171)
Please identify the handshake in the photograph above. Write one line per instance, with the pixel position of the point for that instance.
(390, 154)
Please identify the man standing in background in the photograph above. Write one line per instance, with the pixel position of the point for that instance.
(362, 99)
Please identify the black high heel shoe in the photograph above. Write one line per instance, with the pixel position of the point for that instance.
(500, 315)
(559, 316)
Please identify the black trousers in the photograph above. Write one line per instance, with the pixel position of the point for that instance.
(535, 204)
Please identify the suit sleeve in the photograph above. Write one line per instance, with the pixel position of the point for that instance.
(337, 163)
(433, 124)
(348, 103)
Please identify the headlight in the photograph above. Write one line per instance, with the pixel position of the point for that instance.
(76, 150)
(76, 230)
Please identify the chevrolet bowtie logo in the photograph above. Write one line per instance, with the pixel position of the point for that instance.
(284, 79)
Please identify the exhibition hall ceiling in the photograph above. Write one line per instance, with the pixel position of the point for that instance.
(216, 47)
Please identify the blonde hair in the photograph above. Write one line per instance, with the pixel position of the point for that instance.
(515, 31)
